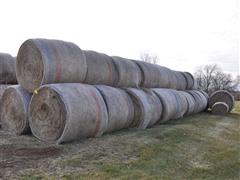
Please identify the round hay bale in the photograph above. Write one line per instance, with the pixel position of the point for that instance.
(190, 102)
(153, 75)
(7, 69)
(101, 69)
(181, 80)
(169, 103)
(220, 108)
(222, 96)
(129, 74)
(66, 112)
(200, 101)
(42, 61)
(120, 107)
(147, 108)
(182, 104)
(189, 79)
(14, 110)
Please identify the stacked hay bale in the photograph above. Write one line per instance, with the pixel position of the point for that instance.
(7, 73)
(221, 102)
(79, 94)
(14, 111)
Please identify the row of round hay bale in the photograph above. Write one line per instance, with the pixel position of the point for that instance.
(7, 69)
(222, 96)
(42, 61)
(14, 110)
(100, 69)
(119, 106)
(66, 112)
(129, 74)
(147, 108)
(220, 108)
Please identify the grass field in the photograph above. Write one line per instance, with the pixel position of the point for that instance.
(202, 146)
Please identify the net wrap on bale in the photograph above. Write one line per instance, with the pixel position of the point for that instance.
(7, 69)
(14, 110)
(42, 61)
(66, 112)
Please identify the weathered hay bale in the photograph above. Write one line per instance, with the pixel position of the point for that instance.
(153, 75)
(101, 69)
(222, 96)
(42, 61)
(120, 107)
(66, 112)
(7, 69)
(147, 107)
(14, 110)
(129, 74)
(181, 81)
(189, 79)
(3, 87)
(169, 103)
(182, 104)
(190, 102)
(200, 101)
(220, 108)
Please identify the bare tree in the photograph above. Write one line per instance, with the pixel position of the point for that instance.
(211, 78)
(146, 57)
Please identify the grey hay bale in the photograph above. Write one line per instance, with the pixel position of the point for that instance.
(222, 96)
(100, 69)
(190, 102)
(181, 80)
(7, 69)
(14, 110)
(147, 107)
(120, 107)
(182, 104)
(220, 108)
(189, 79)
(3, 87)
(201, 101)
(66, 112)
(129, 74)
(169, 103)
(153, 75)
(42, 61)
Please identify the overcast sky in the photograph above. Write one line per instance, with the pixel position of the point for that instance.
(184, 34)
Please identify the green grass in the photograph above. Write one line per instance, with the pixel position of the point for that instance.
(202, 146)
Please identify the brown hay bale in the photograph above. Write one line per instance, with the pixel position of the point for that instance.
(147, 108)
(120, 107)
(7, 69)
(220, 108)
(129, 74)
(222, 96)
(66, 112)
(14, 110)
(153, 75)
(42, 61)
(169, 103)
(101, 69)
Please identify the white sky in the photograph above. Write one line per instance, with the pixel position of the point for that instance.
(183, 33)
